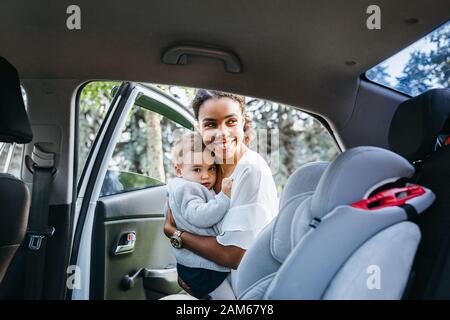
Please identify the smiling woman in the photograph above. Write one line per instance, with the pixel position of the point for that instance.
(223, 125)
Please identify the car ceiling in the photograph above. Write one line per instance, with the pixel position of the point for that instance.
(293, 52)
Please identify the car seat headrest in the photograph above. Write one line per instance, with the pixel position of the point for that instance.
(14, 123)
(417, 123)
(354, 174)
(300, 185)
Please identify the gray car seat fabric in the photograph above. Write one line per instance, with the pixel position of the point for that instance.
(355, 172)
(371, 273)
(318, 236)
(274, 242)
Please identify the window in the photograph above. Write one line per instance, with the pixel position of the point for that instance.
(95, 99)
(141, 158)
(11, 153)
(422, 66)
(11, 158)
(286, 137)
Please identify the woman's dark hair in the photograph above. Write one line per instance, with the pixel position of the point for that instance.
(204, 95)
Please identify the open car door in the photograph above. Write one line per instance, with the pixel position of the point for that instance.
(119, 248)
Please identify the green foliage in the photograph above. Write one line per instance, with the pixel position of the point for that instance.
(95, 99)
(130, 151)
(295, 137)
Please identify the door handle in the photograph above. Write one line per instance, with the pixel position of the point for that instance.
(129, 279)
(125, 243)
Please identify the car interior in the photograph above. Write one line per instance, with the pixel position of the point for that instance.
(71, 236)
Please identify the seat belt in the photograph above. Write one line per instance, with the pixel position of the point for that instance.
(41, 164)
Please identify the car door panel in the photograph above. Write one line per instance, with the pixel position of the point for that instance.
(126, 254)
(139, 212)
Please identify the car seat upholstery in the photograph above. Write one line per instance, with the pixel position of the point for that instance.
(320, 247)
(14, 195)
(414, 129)
(300, 184)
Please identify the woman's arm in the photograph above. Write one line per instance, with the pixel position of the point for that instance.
(207, 247)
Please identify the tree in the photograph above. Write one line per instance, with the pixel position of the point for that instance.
(298, 138)
(428, 69)
(379, 75)
(95, 99)
(155, 153)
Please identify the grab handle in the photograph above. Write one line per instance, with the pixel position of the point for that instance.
(179, 55)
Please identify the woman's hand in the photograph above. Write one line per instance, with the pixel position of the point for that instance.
(227, 184)
(169, 225)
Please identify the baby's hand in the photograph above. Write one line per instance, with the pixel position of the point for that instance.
(227, 183)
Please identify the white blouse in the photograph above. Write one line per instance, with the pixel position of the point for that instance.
(254, 202)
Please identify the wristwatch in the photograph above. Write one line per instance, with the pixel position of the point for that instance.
(175, 239)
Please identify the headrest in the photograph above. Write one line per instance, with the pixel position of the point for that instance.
(14, 123)
(299, 186)
(353, 174)
(417, 123)
(304, 179)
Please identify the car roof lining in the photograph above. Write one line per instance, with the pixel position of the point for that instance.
(294, 53)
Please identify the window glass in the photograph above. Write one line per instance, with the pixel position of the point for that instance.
(422, 66)
(95, 99)
(141, 157)
(285, 136)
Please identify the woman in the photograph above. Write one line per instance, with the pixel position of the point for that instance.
(226, 130)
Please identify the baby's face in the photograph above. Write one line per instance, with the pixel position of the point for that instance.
(198, 167)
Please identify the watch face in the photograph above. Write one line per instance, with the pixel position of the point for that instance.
(175, 242)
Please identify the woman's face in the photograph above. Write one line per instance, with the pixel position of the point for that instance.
(221, 125)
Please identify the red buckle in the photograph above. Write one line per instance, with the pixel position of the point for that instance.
(389, 198)
(447, 141)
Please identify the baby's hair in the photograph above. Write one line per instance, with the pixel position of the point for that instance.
(191, 141)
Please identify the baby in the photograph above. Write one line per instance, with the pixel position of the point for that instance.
(197, 208)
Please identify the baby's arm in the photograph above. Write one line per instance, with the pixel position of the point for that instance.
(201, 213)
